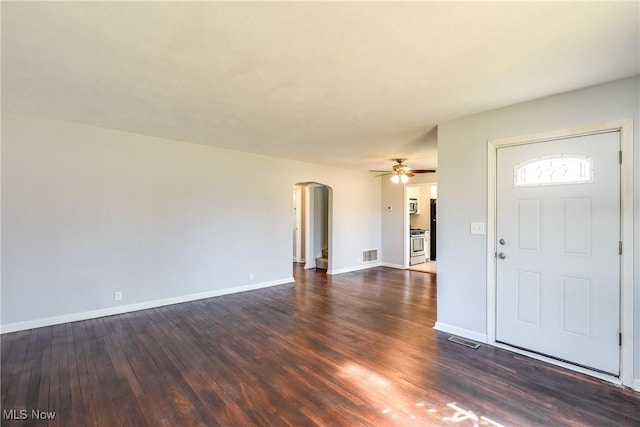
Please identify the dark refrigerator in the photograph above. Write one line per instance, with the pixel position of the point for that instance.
(433, 229)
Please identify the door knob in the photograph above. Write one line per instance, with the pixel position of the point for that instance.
(501, 255)
(502, 242)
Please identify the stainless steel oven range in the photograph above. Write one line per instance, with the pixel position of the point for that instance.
(417, 246)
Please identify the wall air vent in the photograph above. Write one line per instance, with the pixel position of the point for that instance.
(370, 255)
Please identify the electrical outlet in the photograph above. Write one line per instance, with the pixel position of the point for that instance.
(118, 296)
(250, 276)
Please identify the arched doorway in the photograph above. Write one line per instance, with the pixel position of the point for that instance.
(312, 219)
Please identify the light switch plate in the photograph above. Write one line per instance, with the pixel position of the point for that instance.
(477, 228)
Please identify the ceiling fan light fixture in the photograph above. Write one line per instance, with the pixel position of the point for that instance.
(401, 172)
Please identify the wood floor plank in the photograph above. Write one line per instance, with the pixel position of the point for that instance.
(121, 393)
(42, 369)
(10, 350)
(356, 349)
(86, 393)
(179, 388)
(156, 409)
(57, 333)
(200, 370)
(65, 409)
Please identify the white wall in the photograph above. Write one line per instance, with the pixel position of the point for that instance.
(393, 217)
(87, 211)
(462, 190)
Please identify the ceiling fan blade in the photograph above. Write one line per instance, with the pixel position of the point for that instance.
(409, 174)
(370, 170)
(382, 174)
(423, 170)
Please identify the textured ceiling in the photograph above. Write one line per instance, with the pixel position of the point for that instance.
(347, 84)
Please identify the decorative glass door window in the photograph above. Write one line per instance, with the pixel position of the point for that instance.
(555, 169)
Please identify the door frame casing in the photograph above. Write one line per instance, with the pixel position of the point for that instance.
(297, 243)
(625, 127)
(309, 223)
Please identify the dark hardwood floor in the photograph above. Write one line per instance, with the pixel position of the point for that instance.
(345, 350)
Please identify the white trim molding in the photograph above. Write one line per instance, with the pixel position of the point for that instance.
(636, 384)
(392, 265)
(625, 127)
(356, 268)
(110, 311)
(461, 332)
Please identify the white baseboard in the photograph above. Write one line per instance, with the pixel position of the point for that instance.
(464, 333)
(636, 384)
(110, 311)
(355, 268)
(398, 266)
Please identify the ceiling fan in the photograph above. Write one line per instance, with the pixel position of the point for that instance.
(402, 172)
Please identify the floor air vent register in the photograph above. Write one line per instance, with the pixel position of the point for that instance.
(466, 343)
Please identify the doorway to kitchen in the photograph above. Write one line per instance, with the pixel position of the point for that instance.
(312, 221)
(421, 222)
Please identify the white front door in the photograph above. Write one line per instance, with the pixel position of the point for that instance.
(557, 234)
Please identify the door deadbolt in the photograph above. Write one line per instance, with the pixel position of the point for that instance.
(502, 242)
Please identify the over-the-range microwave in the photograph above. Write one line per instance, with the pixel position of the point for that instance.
(413, 206)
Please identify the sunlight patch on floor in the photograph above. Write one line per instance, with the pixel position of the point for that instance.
(462, 415)
(398, 409)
